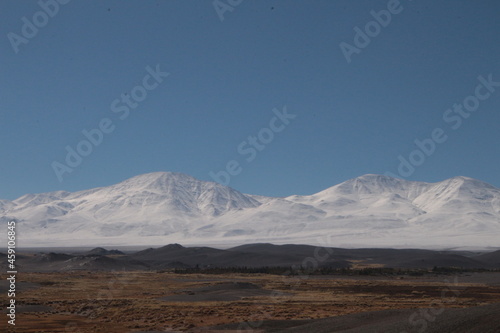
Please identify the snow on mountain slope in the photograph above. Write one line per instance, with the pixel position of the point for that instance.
(151, 204)
(164, 207)
(368, 195)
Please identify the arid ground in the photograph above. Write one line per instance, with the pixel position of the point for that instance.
(145, 301)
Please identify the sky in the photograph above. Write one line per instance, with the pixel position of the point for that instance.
(271, 97)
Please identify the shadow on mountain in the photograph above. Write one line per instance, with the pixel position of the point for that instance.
(491, 258)
(394, 258)
(209, 257)
(251, 256)
(50, 262)
(103, 252)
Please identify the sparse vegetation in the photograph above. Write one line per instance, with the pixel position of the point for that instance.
(112, 302)
(293, 271)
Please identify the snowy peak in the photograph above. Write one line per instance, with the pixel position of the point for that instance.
(461, 194)
(170, 207)
(377, 196)
(371, 184)
(467, 184)
(181, 193)
(153, 204)
(160, 182)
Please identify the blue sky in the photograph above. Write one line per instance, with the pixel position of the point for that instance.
(226, 77)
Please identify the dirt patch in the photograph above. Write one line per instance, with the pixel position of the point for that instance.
(223, 292)
(471, 320)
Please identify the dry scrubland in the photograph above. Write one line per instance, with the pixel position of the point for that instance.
(150, 301)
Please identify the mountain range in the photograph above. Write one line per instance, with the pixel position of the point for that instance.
(165, 207)
(263, 255)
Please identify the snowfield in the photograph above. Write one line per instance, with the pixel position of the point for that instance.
(164, 207)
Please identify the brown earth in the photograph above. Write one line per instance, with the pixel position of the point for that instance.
(149, 301)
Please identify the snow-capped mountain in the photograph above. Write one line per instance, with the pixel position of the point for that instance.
(164, 207)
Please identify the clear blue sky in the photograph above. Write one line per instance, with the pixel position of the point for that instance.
(227, 76)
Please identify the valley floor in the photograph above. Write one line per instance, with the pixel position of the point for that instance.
(141, 301)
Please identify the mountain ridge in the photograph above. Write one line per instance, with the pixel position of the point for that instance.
(370, 210)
